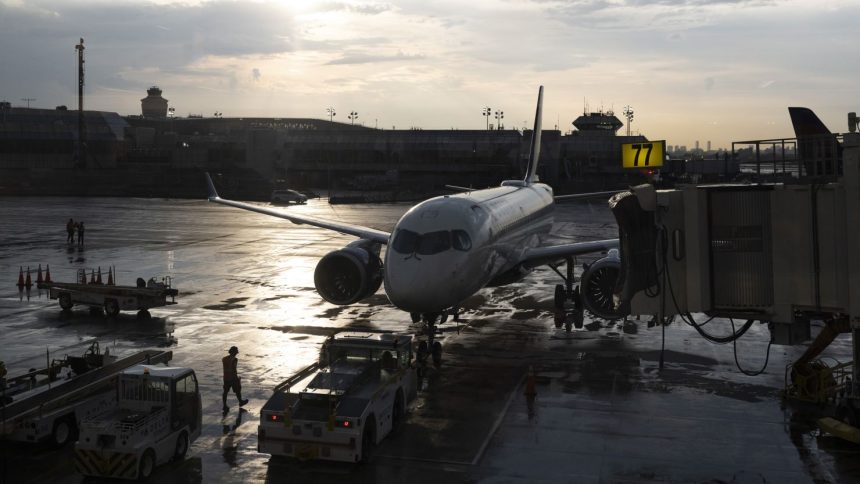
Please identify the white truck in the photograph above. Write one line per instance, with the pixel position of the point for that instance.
(349, 401)
(159, 415)
(52, 411)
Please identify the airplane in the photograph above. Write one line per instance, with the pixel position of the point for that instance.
(447, 248)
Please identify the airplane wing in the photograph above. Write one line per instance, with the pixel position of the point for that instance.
(561, 198)
(349, 229)
(541, 255)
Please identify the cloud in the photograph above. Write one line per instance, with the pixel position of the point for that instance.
(255, 73)
(709, 83)
(361, 8)
(766, 84)
(365, 58)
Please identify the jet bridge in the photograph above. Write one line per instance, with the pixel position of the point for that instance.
(785, 251)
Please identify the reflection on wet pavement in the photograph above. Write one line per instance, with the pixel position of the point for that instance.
(603, 410)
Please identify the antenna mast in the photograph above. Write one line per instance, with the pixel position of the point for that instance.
(81, 150)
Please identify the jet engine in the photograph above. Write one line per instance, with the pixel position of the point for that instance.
(597, 286)
(350, 274)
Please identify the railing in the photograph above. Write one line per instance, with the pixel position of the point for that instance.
(805, 159)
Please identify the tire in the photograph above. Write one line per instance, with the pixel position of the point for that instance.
(568, 326)
(111, 308)
(558, 318)
(144, 315)
(64, 431)
(181, 446)
(560, 296)
(368, 437)
(397, 412)
(66, 301)
(146, 466)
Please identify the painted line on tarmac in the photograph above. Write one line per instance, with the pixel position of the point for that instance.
(499, 419)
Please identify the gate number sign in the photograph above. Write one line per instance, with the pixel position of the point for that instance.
(646, 154)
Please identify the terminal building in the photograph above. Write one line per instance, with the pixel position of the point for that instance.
(157, 150)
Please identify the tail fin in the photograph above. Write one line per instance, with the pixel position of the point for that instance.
(806, 123)
(534, 151)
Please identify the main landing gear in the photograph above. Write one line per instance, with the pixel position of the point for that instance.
(569, 310)
(430, 347)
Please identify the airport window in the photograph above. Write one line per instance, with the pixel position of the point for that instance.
(461, 240)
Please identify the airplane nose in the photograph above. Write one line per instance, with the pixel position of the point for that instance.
(425, 285)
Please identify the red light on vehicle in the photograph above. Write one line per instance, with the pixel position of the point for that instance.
(274, 418)
(346, 423)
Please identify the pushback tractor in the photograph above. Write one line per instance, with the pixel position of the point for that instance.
(350, 400)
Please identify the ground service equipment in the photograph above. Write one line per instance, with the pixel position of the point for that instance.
(53, 411)
(350, 400)
(159, 415)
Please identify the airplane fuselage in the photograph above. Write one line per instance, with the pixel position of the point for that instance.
(445, 249)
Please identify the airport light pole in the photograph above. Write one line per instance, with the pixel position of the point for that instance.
(487, 112)
(500, 115)
(28, 99)
(352, 117)
(628, 113)
(331, 113)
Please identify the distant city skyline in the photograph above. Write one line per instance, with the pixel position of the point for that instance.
(719, 70)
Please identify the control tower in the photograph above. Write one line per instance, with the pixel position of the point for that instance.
(598, 123)
(153, 105)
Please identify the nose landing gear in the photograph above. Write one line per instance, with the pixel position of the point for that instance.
(569, 310)
(429, 347)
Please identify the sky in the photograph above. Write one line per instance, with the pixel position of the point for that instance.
(718, 70)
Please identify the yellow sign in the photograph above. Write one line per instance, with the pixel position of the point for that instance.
(646, 154)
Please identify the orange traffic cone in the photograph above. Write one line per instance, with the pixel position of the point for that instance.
(20, 278)
(39, 279)
(92, 277)
(47, 274)
(99, 277)
(530, 383)
(29, 282)
(110, 277)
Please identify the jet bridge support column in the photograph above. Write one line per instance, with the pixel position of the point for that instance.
(851, 180)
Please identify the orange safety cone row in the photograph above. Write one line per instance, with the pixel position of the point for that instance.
(99, 277)
(110, 277)
(48, 274)
(29, 282)
(20, 278)
(39, 279)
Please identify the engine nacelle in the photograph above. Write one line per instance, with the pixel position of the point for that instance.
(351, 274)
(598, 286)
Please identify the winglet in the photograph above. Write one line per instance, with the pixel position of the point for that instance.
(534, 151)
(213, 194)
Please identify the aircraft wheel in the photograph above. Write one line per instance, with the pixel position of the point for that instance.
(558, 318)
(66, 301)
(560, 296)
(111, 308)
(578, 318)
(437, 354)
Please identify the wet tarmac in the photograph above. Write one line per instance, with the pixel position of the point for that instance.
(604, 411)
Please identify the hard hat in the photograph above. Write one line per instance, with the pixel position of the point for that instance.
(233, 350)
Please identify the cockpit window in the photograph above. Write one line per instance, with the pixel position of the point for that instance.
(434, 242)
(408, 242)
(461, 240)
(405, 241)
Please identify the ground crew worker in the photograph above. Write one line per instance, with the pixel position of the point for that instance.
(70, 230)
(81, 234)
(231, 378)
